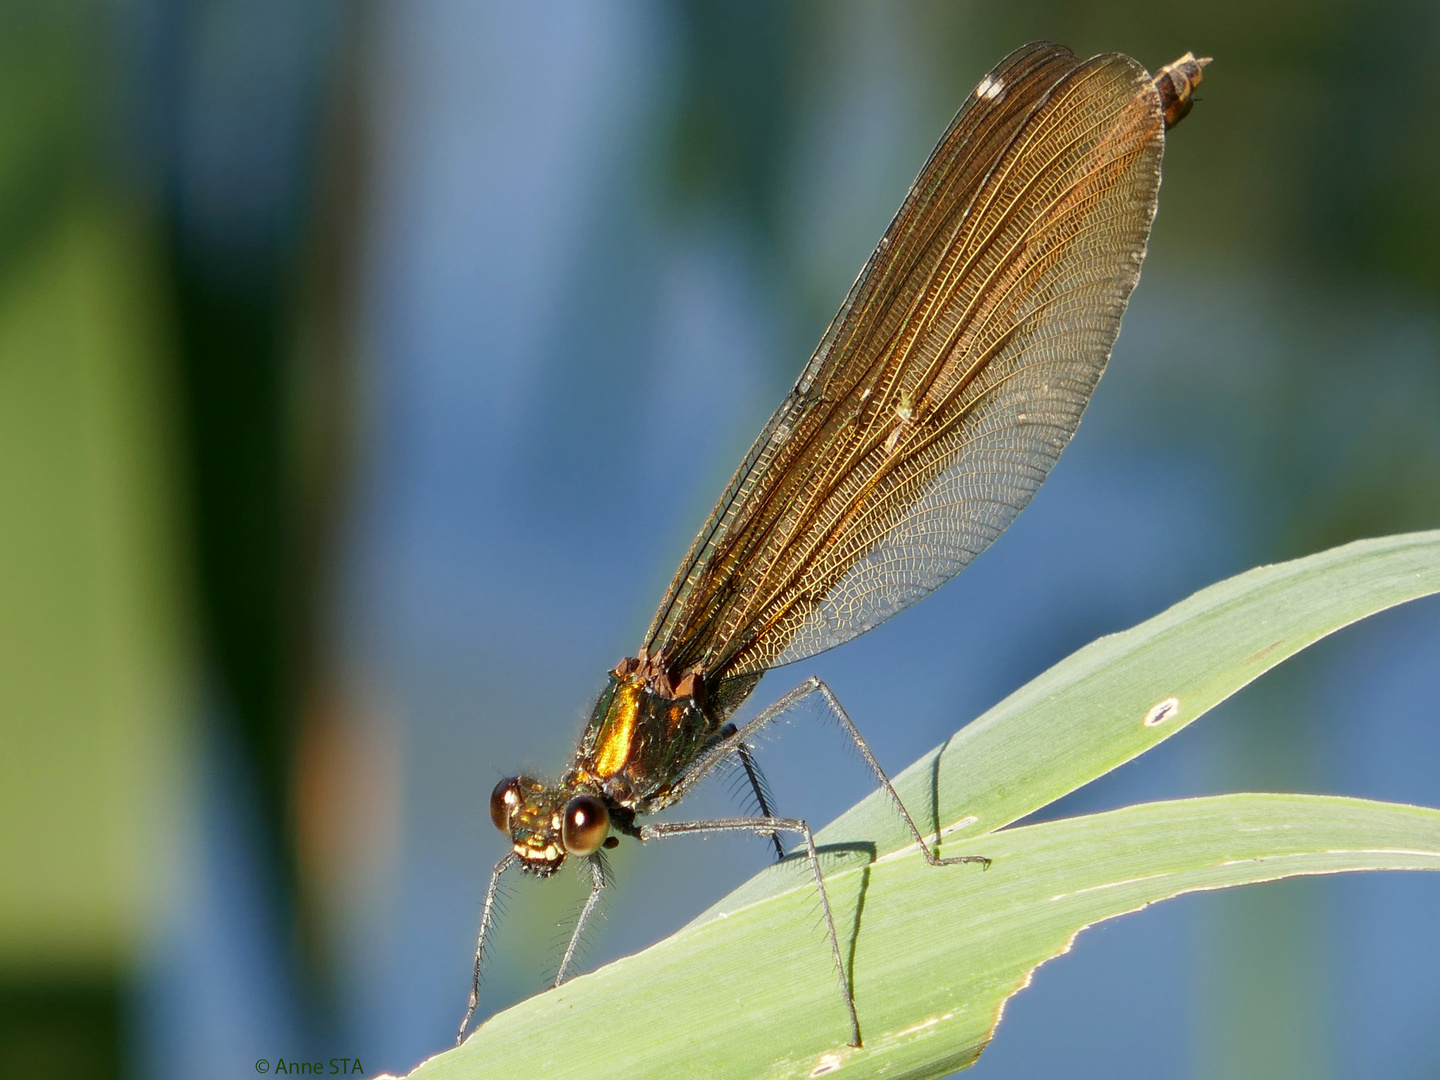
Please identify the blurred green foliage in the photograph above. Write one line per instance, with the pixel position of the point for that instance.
(92, 575)
(151, 462)
(95, 666)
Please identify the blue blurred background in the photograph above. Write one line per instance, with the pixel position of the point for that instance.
(365, 369)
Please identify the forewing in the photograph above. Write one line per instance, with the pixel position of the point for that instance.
(951, 379)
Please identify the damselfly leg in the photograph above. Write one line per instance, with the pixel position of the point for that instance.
(735, 740)
(746, 753)
(773, 825)
(487, 918)
(813, 685)
(599, 876)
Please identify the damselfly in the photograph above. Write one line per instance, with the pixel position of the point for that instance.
(935, 405)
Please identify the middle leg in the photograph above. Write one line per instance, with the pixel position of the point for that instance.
(773, 825)
(763, 800)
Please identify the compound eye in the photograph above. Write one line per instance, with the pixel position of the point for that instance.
(587, 824)
(503, 802)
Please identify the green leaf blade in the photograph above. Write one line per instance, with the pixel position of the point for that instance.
(937, 951)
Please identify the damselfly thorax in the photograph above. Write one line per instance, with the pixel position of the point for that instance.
(933, 409)
(643, 733)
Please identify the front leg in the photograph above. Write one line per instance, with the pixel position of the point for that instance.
(598, 872)
(487, 916)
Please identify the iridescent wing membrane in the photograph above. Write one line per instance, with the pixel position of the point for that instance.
(943, 392)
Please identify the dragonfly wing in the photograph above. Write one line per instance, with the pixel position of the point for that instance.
(951, 379)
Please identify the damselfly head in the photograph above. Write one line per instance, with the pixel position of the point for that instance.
(545, 824)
